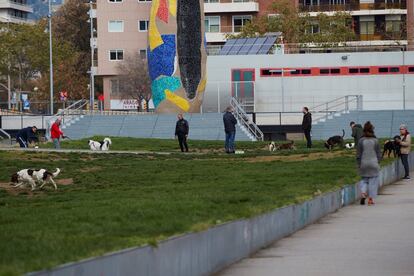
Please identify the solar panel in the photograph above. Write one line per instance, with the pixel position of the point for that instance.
(237, 46)
(256, 47)
(247, 45)
(268, 44)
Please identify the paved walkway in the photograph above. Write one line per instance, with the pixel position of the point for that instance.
(356, 240)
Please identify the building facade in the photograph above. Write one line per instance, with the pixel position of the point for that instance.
(15, 11)
(122, 29)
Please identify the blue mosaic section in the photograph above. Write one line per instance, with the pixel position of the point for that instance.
(159, 85)
(161, 59)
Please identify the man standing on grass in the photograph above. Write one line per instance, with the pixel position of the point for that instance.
(181, 132)
(357, 132)
(230, 129)
(307, 126)
(56, 133)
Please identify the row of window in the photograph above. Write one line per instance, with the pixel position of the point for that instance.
(118, 54)
(117, 26)
(316, 71)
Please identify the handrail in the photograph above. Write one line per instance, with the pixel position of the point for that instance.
(5, 133)
(243, 119)
(338, 105)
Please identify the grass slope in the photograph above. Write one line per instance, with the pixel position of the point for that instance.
(119, 200)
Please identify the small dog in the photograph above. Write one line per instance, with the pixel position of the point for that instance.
(391, 146)
(100, 146)
(29, 176)
(350, 145)
(335, 140)
(274, 147)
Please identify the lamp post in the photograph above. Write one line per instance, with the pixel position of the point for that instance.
(91, 71)
(50, 57)
(8, 75)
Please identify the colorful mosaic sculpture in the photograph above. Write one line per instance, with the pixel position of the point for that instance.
(176, 55)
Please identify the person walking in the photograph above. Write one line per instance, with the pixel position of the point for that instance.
(26, 135)
(307, 126)
(230, 129)
(181, 132)
(368, 159)
(357, 132)
(405, 147)
(56, 133)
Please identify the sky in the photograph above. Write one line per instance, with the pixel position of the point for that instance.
(40, 7)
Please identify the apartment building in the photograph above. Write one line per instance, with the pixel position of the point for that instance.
(372, 19)
(15, 11)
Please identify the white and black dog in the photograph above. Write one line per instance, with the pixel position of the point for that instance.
(98, 146)
(30, 176)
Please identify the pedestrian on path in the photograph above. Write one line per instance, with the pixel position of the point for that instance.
(56, 133)
(181, 132)
(368, 159)
(405, 144)
(230, 123)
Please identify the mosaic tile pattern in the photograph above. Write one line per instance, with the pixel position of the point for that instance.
(161, 59)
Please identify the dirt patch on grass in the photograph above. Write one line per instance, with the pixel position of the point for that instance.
(64, 181)
(90, 169)
(15, 191)
(299, 157)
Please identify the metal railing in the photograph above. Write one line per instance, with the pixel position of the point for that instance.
(3, 133)
(339, 105)
(244, 120)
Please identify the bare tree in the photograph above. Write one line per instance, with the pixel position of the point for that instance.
(134, 81)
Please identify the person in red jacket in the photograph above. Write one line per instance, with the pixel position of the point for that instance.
(56, 133)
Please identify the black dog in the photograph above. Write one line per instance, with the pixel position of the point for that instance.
(335, 140)
(392, 146)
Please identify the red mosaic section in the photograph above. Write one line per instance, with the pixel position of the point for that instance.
(162, 12)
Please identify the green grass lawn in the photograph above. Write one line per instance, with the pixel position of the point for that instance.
(119, 200)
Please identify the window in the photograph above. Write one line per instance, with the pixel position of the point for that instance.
(243, 83)
(364, 70)
(212, 24)
(271, 72)
(353, 70)
(367, 25)
(411, 69)
(143, 53)
(116, 55)
(324, 71)
(306, 71)
(239, 21)
(383, 70)
(211, 1)
(143, 1)
(394, 69)
(115, 26)
(114, 87)
(143, 25)
(295, 72)
(335, 71)
(115, 1)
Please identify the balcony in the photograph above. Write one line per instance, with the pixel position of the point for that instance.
(352, 7)
(232, 7)
(10, 4)
(14, 19)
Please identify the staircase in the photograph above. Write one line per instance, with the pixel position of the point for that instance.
(247, 126)
(207, 126)
(386, 122)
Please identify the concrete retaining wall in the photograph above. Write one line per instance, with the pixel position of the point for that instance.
(209, 251)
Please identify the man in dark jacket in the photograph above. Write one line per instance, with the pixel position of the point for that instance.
(357, 132)
(230, 129)
(26, 135)
(181, 132)
(307, 126)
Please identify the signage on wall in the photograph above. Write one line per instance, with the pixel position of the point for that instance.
(127, 104)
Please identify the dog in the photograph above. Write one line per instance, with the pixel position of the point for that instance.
(392, 146)
(273, 146)
(335, 140)
(100, 146)
(350, 145)
(30, 176)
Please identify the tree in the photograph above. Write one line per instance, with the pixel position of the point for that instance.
(134, 80)
(298, 27)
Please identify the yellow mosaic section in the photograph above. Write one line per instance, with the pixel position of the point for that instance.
(155, 39)
(173, 7)
(177, 100)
